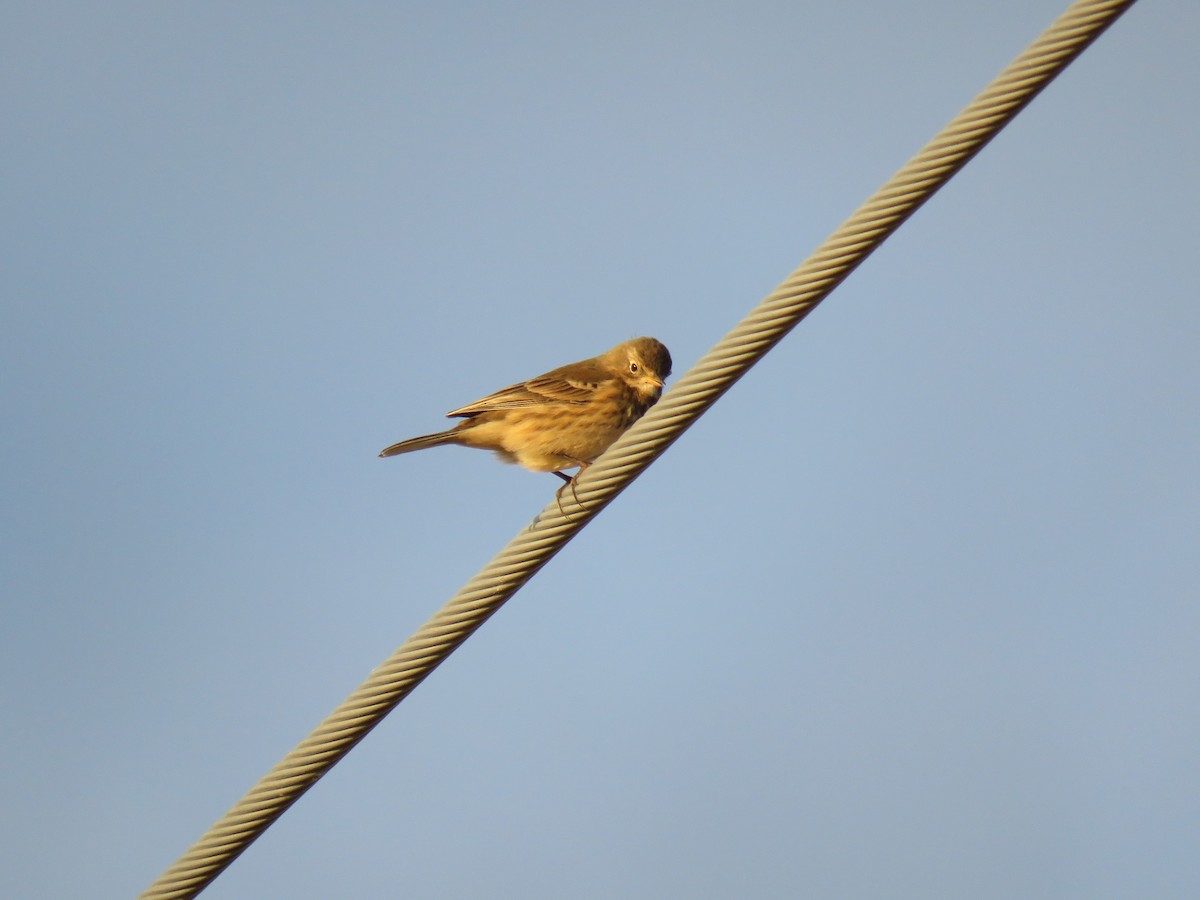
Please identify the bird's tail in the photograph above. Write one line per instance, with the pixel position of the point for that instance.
(420, 443)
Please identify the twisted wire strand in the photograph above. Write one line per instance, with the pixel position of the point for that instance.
(695, 392)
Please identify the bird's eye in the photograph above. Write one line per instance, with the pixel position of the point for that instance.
(633, 367)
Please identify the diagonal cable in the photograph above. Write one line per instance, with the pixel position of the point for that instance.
(765, 326)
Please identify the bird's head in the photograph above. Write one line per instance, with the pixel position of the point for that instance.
(644, 364)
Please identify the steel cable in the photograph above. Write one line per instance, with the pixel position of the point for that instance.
(695, 392)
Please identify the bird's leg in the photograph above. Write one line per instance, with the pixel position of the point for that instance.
(570, 482)
(558, 494)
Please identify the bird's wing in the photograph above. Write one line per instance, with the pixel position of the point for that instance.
(571, 384)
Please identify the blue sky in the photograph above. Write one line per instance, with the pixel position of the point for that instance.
(911, 613)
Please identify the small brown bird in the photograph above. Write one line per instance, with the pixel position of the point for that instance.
(565, 418)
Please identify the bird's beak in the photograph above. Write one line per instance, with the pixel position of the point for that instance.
(657, 382)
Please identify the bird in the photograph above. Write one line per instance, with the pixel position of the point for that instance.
(564, 419)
